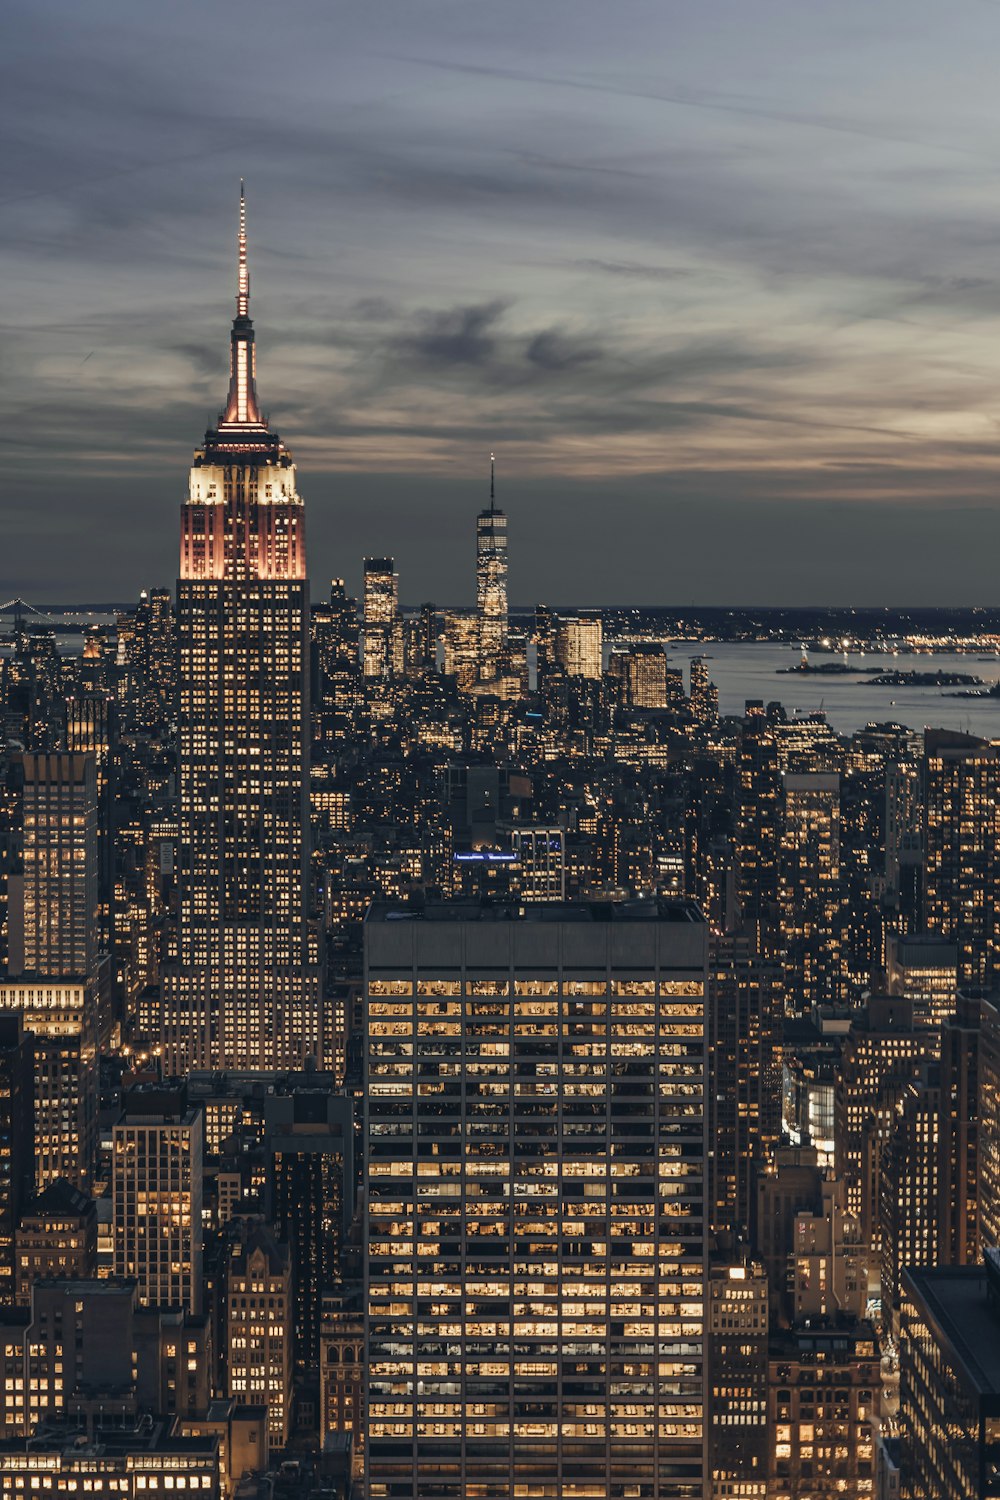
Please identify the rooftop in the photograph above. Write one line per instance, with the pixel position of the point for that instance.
(646, 909)
(955, 1298)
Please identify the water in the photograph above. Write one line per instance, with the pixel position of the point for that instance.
(742, 670)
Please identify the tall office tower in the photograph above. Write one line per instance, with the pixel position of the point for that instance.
(380, 617)
(989, 1123)
(744, 1066)
(491, 586)
(243, 993)
(949, 1381)
(809, 889)
(758, 828)
(736, 1356)
(92, 729)
(578, 646)
(910, 1187)
(962, 850)
(309, 1138)
(958, 1135)
(60, 911)
(904, 844)
(923, 967)
(17, 1163)
(543, 637)
(258, 1325)
(156, 1181)
(535, 1185)
(882, 1053)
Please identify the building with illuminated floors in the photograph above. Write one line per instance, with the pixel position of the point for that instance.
(535, 1201)
(245, 991)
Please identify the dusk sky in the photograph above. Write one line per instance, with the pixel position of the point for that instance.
(719, 280)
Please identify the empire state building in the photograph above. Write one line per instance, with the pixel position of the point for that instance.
(245, 990)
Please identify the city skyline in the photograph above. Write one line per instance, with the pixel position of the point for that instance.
(746, 295)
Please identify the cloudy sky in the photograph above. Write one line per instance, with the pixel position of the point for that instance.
(718, 279)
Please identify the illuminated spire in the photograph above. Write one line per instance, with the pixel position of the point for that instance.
(243, 282)
(242, 407)
(493, 501)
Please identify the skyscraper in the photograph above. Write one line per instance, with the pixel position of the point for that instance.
(59, 931)
(380, 616)
(243, 992)
(491, 585)
(809, 889)
(535, 1202)
(962, 850)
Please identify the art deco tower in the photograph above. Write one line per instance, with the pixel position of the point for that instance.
(242, 994)
(491, 585)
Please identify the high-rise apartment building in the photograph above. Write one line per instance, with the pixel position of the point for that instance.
(244, 992)
(578, 646)
(380, 616)
(535, 1200)
(491, 585)
(156, 1181)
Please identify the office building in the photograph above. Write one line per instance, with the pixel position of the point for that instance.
(536, 1264)
(949, 1381)
(130, 1463)
(63, 1018)
(882, 1052)
(244, 991)
(309, 1142)
(962, 850)
(491, 586)
(156, 1181)
(744, 1064)
(911, 1187)
(17, 1163)
(56, 1238)
(923, 968)
(989, 1123)
(809, 895)
(958, 1135)
(59, 918)
(736, 1355)
(380, 618)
